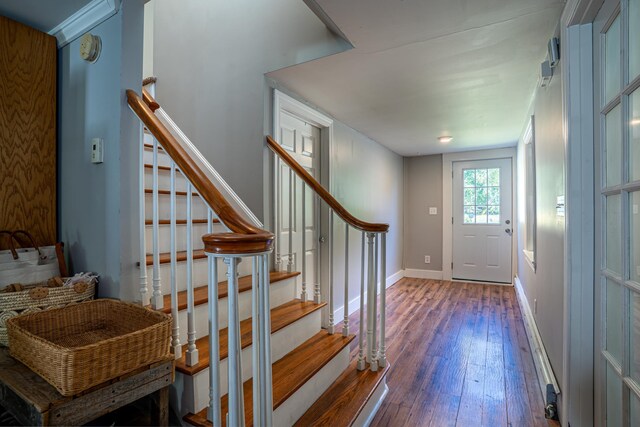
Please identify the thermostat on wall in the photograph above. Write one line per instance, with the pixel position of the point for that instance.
(97, 152)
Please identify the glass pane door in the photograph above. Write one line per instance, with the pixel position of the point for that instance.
(617, 81)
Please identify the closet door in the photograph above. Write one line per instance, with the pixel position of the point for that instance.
(27, 131)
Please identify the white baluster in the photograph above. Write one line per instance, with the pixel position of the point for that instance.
(255, 338)
(303, 251)
(277, 212)
(176, 347)
(143, 224)
(156, 298)
(267, 385)
(361, 359)
(214, 411)
(236, 399)
(192, 350)
(291, 220)
(374, 336)
(345, 324)
(382, 357)
(370, 300)
(331, 326)
(316, 285)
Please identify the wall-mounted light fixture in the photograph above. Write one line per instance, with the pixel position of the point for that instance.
(445, 139)
(90, 47)
(553, 52)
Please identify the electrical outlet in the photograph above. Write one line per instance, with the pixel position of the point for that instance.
(635, 209)
(433, 211)
(535, 306)
(427, 259)
(97, 150)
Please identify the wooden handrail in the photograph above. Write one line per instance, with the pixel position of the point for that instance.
(323, 193)
(148, 99)
(149, 80)
(244, 236)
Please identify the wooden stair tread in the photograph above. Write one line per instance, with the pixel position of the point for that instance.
(165, 257)
(281, 316)
(343, 401)
(200, 294)
(181, 221)
(168, 192)
(289, 374)
(160, 167)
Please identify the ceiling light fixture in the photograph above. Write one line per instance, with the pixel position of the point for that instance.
(445, 139)
(635, 122)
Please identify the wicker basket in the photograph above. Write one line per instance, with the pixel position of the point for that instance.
(34, 299)
(80, 346)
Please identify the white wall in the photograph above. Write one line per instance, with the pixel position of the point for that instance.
(367, 179)
(546, 284)
(210, 59)
(98, 203)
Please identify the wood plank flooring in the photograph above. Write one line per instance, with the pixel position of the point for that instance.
(459, 357)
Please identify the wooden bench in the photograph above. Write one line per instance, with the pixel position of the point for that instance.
(33, 401)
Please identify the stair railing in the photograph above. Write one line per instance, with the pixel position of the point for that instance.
(243, 238)
(373, 248)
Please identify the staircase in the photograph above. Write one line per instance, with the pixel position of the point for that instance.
(207, 264)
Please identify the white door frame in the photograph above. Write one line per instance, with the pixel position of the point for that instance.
(284, 102)
(447, 201)
(577, 398)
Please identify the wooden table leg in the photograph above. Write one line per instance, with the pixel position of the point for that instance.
(160, 414)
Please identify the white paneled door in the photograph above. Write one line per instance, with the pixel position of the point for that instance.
(302, 141)
(482, 221)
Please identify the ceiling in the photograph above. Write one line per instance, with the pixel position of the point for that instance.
(426, 68)
(39, 14)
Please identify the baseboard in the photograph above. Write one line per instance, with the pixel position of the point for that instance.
(423, 274)
(354, 304)
(393, 279)
(540, 357)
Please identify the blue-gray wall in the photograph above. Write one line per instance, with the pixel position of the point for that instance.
(98, 203)
(546, 283)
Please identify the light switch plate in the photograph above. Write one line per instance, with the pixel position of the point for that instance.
(433, 211)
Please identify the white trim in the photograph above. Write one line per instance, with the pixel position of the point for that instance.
(376, 406)
(83, 20)
(577, 404)
(423, 274)
(540, 357)
(393, 279)
(283, 102)
(447, 200)
(354, 304)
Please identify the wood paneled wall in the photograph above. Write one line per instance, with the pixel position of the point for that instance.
(27, 131)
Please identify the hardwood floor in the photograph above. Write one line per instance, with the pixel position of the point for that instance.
(459, 357)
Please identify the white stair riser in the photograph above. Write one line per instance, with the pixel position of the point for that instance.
(200, 274)
(296, 405)
(198, 208)
(164, 179)
(196, 388)
(164, 236)
(281, 292)
(163, 158)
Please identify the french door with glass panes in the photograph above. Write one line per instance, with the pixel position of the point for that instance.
(616, 40)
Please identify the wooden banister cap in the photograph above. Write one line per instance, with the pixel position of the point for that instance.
(235, 243)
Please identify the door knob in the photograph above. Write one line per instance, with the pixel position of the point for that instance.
(322, 239)
(508, 231)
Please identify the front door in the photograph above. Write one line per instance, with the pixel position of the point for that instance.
(616, 40)
(302, 141)
(482, 226)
